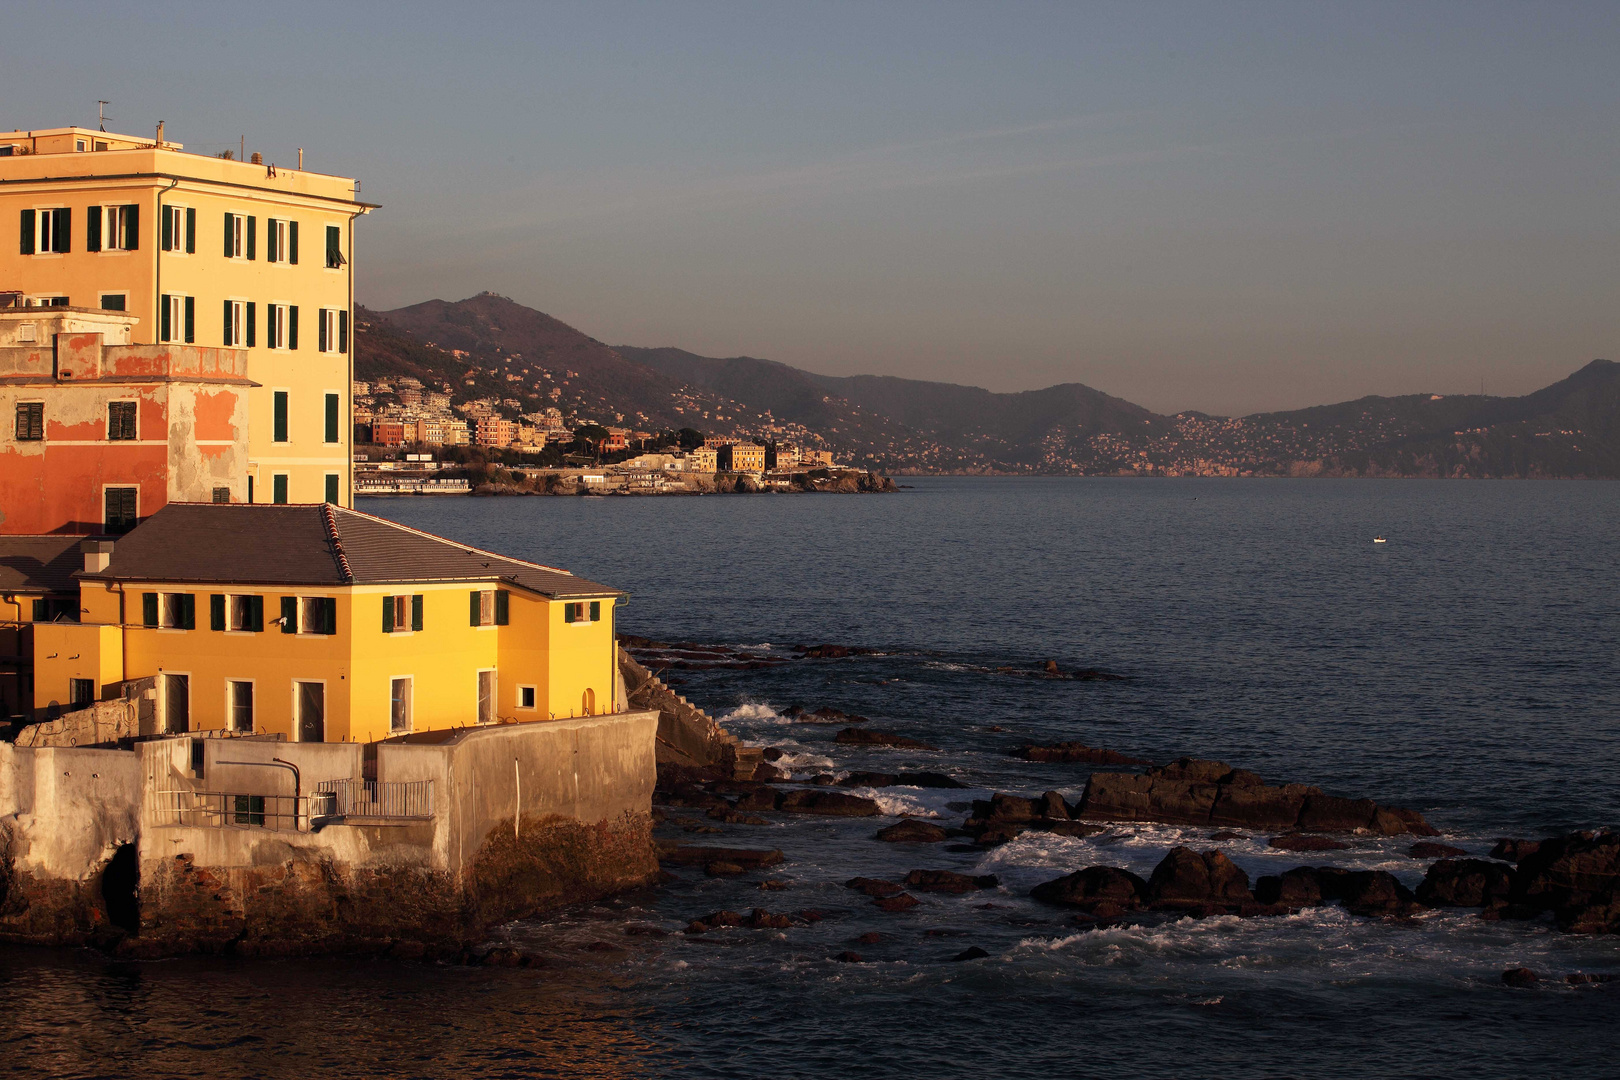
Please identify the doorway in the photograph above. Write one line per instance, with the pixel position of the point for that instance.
(587, 703)
(311, 698)
(177, 703)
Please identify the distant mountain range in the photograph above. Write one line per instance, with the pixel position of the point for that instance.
(489, 346)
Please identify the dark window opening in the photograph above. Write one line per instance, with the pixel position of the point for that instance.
(120, 515)
(121, 418)
(30, 421)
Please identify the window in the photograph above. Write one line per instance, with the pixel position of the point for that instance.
(333, 330)
(179, 229)
(399, 704)
(177, 319)
(112, 228)
(81, 693)
(239, 324)
(334, 411)
(583, 612)
(177, 611)
(121, 420)
(30, 421)
(121, 505)
(248, 809)
(239, 701)
(279, 417)
(334, 248)
(401, 613)
(333, 493)
(222, 494)
(241, 232)
(80, 145)
(281, 241)
(46, 232)
(114, 301)
(317, 615)
(525, 697)
(281, 326)
(490, 607)
(241, 614)
(278, 488)
(486, 697)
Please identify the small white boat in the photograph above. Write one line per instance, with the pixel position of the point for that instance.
(1379, 540)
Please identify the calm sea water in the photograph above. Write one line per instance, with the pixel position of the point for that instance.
(1469, 668)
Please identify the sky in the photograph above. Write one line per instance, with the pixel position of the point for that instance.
(1226, 207)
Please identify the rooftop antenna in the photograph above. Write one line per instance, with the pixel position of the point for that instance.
(101, 113)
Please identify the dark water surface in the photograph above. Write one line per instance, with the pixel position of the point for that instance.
(1469, 668)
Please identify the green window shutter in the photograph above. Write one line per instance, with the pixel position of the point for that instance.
(320, 330)
(191, 320)
(596, 611)
(292, 326)
(329, 615)
(280, 432)
(252, 236)
(26, 232)
(216, 612)
(270, 239)
(165, 232)
(230, 230)
(334, 247)
(292, 242)
(343, 331)
(132, 227)
(332, 493)
(188, 611)
(388, 614)
(473, 596)
(278, 488)
(165, 331)
(191, 230)
(92, 228)
(226, 335)
(332, 406)
(568, 613)
(289, 614)
(149, 609)
(62, 241)
(503, 607)
(252, 317)
(416, 611)
(255, 613)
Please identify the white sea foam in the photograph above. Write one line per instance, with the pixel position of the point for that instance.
(898, 802)
(753, 712)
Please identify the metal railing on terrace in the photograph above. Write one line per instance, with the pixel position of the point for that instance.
(407, 800)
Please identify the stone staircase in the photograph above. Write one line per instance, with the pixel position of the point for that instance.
(686, 734)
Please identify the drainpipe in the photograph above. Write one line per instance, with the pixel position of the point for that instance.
(276, 763)
(157, 263)
(123, 636)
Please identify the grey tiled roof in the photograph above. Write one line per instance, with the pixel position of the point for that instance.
(313, 544)
(36, 564)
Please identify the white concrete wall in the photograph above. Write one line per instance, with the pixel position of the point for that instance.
(68, 809)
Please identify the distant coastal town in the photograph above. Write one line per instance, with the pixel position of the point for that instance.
(413, 439)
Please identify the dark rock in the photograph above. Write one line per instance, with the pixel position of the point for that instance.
(927, 780)
(1509, 850)
(762, 799)
(848, 957)
(760, 919)
(703, 856)
(1587, 978)
(823, 780)
(1093, 886)
(902, 902)
(1428, 849)
(1007, 808)
(601, 946)
(832, 652)
(1068, 828)
(811, 915)
(1569, 871)
(972, 953)
(1185, 876)
(1465, 883)
(1225, 835)
(1067, 752)
(768, 773)
(830, 803)
(946, 881)
(1299, 887)
(694, 796)
(723, 869)
(1374, 892)
(644, 930)
(867, 779)
(773, 753)
(1302, 842)
(716, 920)
(1329, 813)
(874, 886)
(871, 937)
(867, 737)
(997, 833)
(911, 831)
(773, 885)
(1052, 807)
(1255, 805)
(1520, 977)
(1193, 770)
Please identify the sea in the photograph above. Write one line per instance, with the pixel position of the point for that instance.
(1469, 668)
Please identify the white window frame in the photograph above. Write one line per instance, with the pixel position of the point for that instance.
(236, 332)
(486, 608)
(112, 227)
(165, 620)
(276, 237)
(177, 229)
(305, 606)
(328, 329)
(410, 703)
(275, 326)
(177, 319)
(234, 607)
(80, 146)
(534, 691)
(238, 236)
(231, 683)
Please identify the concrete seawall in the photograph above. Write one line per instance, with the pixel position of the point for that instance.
(264, 847)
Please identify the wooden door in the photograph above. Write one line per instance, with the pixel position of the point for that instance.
(177, 703)
(311, 712)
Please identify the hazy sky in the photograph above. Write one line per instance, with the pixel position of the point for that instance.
(1227, 207)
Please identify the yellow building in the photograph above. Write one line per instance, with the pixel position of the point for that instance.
(741, 457)
(325, 624)
(205, 251)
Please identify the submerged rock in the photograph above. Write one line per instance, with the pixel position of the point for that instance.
(830, 803)
(1428, 849)
(1067, 752)
(868, 737)
(874, 886)
(1303, 842)
(911, 831)
(946, 881)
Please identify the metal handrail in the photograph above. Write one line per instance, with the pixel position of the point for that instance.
(409, 800)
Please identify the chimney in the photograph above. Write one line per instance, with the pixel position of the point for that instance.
(97, 555)
(258, 158)
(160, 134)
